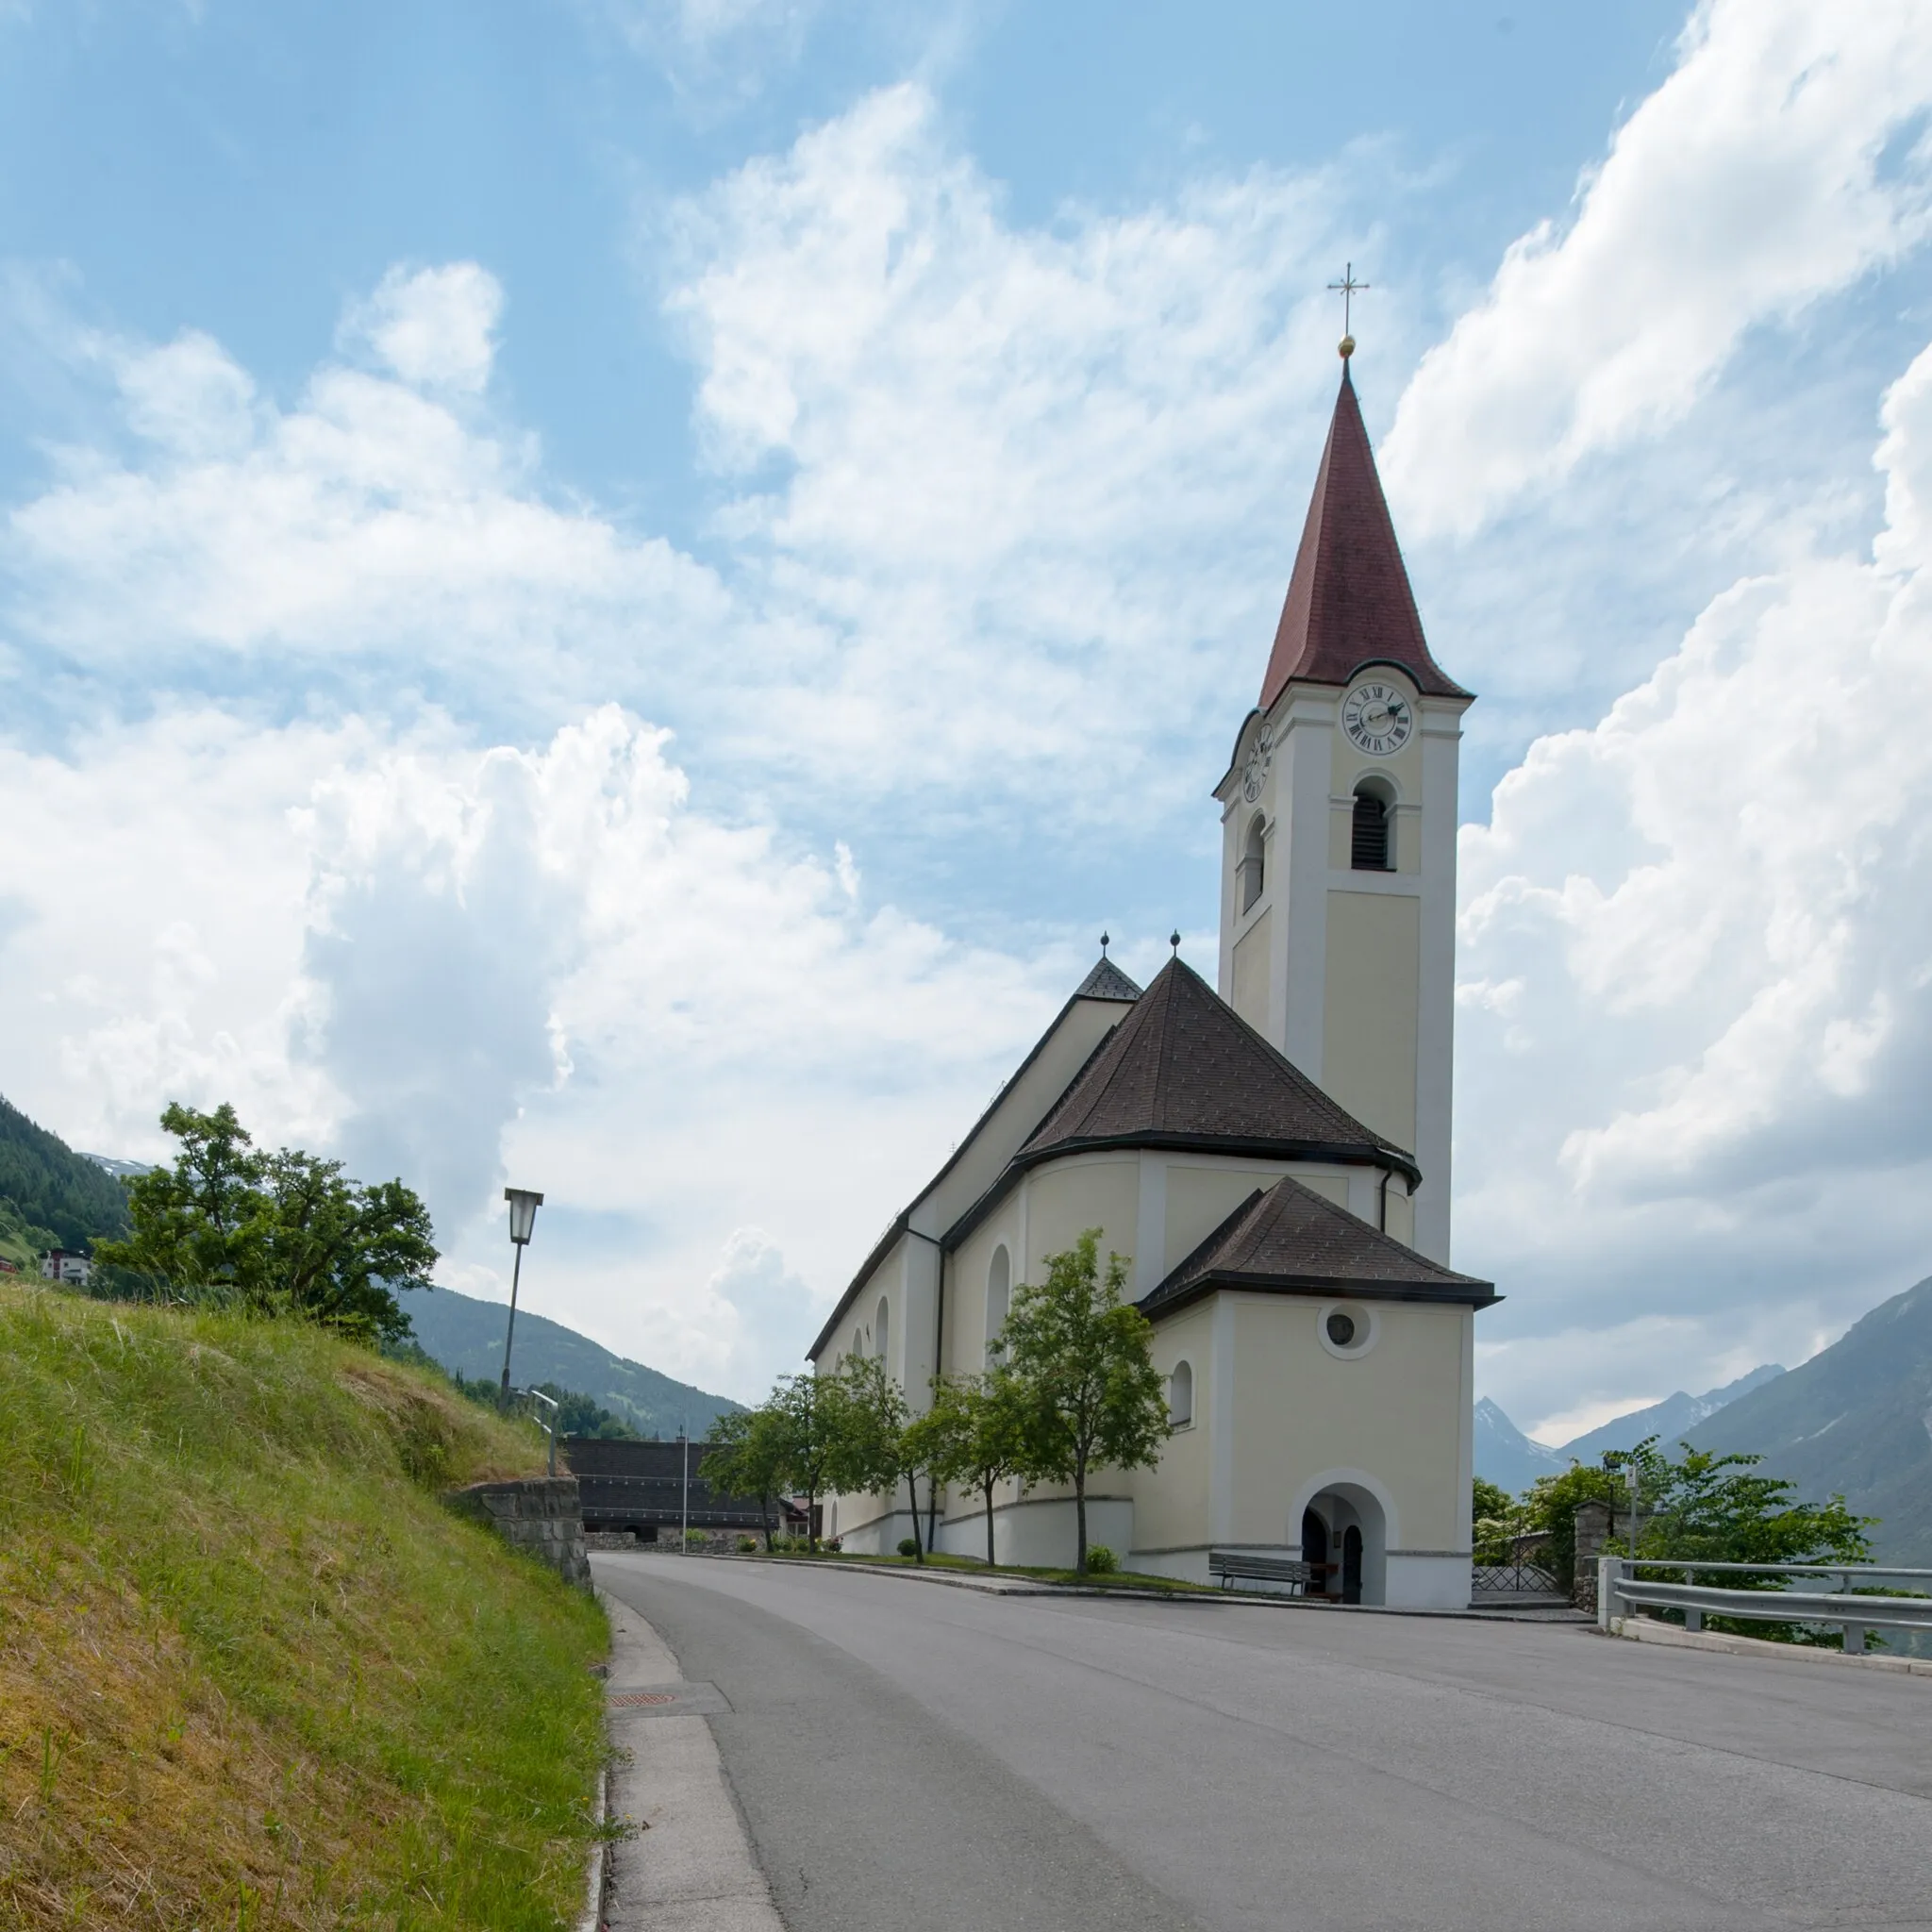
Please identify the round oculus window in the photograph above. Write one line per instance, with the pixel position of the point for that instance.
(1341, 1329)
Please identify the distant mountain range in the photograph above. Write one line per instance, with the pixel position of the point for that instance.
(466, 1335)
(1854, 1421)
(1505, 1455)
(1672, 1419)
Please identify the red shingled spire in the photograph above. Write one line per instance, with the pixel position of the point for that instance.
(1349, 602)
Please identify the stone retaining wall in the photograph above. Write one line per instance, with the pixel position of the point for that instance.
(541, 1515)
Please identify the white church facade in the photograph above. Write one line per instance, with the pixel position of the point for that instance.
(1270, 1157)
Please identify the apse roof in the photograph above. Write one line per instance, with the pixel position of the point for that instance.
(1182, 1069)
(1349, 602)
(1288, 1240)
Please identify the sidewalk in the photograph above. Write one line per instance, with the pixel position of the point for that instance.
(689, 1866)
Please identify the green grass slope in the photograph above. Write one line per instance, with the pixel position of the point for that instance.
(465, 1335)
(1854, 1421)
(252, 1672)
(51, 1196)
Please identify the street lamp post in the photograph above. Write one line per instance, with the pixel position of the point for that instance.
(524, 1204)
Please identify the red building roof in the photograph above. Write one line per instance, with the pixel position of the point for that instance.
(1349, 603)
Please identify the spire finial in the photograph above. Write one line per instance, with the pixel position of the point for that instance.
(1173, 940)
(1103, 946)
(1346, 289)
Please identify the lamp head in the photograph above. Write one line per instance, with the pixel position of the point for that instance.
(524, 1203)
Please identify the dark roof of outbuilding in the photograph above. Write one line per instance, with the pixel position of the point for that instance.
(1288, 1240)
(1182, 1069)
(1107, 982)
(1349, 600)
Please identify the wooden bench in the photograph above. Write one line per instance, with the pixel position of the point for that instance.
(1232, 1565)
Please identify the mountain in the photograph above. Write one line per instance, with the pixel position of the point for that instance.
(466, 1335)
(1506, 1456)
(50, 1196)
(1672, 1419)
(1854, 1421)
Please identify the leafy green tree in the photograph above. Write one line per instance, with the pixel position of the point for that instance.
(745, 1457)
(874, 1454)
(973, 1435)
(1083, 1371)
(582, 1415)
(811, 1421)
(282, 1233)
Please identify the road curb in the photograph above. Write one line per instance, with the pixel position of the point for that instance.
(688, 1866)
(592, 1917)
(1648, 1630)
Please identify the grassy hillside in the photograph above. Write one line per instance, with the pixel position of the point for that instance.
(1852, 1420)
(51, 1196)
(252, 1673)
(465, 1335)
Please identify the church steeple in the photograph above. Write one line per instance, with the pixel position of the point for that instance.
(1338, 814)
(1349, 603)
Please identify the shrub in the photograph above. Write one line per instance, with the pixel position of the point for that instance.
(695, 1539)
(748, 1545)
(908, 1546)
(835, 1543)
(1100, 1560)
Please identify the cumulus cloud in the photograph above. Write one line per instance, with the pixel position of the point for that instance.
(1783, 159)
(432, 326)
(1027, 485)
(1696, 1010)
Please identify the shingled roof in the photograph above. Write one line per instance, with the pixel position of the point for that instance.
(1288, 1240)
(1107, 982)
(1349, 600)
(1183, 1070)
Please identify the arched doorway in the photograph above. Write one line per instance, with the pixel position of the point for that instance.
(1345, 1541)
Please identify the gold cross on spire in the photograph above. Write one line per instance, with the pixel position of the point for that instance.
(1346, 289)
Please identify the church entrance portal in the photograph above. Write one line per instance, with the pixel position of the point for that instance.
(1345, 1545)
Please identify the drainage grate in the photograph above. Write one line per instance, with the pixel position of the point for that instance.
(628, 1700)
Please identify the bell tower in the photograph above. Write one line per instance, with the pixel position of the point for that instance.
(1339, 811)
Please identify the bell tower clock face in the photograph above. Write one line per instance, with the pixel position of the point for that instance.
(1378, 718)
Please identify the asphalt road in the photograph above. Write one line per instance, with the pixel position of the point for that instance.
(907, 1754)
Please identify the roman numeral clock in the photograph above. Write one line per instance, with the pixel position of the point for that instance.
(1377, 717)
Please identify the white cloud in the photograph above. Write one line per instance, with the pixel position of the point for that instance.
(1782, 159)
(1015, 481)
(1703, 1094)
(440, 958)
(432, 326)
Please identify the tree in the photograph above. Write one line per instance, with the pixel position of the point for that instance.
(746, 1458)
(973, 1435)
(810, 1419)
(1490, 1510)
(1083, 1372)
(870, 1455)
(282, 1233)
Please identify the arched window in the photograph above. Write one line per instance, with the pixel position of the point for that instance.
(999, 1297)
(1253, 862)
(1181, 1395)
(1370, 849)
(879, 1327)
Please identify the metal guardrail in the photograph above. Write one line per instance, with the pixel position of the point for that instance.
(1619, 1590)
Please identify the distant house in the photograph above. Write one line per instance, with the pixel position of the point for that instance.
(67, 1265)
(8, 1267)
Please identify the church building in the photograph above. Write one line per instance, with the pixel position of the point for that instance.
(1271, 1155)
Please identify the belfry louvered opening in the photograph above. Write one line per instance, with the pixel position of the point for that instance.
(1368, 848)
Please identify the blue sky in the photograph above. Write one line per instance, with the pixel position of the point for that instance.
(620, 588)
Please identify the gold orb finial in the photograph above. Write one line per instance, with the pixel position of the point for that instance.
(1347, 347)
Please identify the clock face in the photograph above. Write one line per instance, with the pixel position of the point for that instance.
(1377, 717)
(1254, 774)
